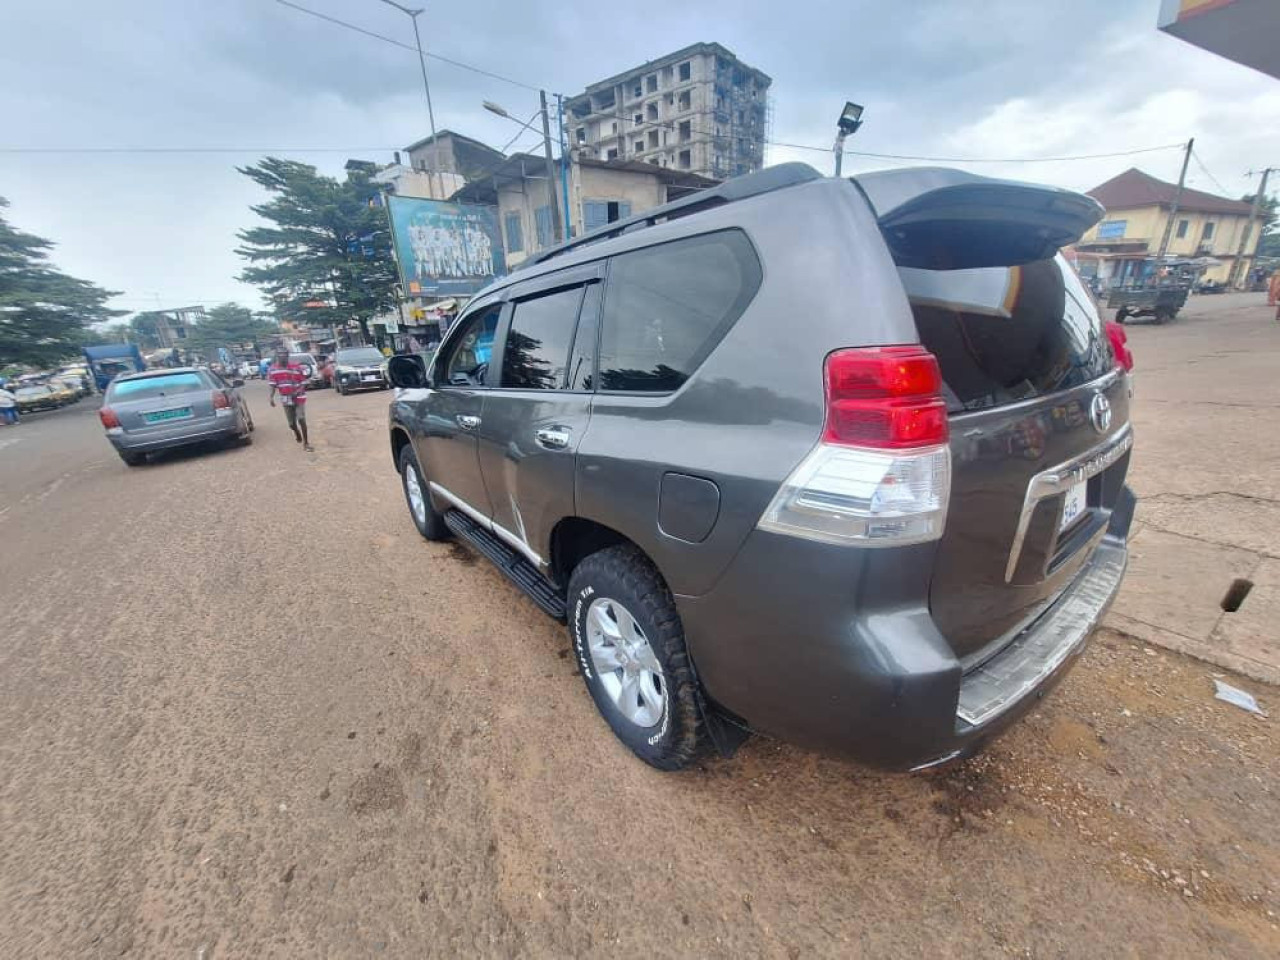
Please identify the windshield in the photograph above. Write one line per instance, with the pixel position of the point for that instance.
(31, 391)
(362, 355)
(162, 386)
(306, 358)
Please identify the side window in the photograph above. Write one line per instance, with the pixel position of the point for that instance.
(536, 355)
(466, 356)
(668, 306)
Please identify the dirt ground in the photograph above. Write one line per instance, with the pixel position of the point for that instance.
(245, 711)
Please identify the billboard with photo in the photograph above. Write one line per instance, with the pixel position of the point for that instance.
(445, 248)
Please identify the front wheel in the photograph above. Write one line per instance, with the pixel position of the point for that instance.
(631, 651)
(425, 517)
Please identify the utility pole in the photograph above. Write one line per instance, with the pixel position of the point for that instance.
(1173, 213)
(551, 169)
(564, 166)
(1237, 267)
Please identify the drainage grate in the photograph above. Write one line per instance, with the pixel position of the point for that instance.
(1236, 593)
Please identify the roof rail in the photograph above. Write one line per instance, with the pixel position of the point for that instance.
(739, 188)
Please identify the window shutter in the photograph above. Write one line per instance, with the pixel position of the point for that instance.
(595, 213)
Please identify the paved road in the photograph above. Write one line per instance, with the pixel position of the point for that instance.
(245, 711)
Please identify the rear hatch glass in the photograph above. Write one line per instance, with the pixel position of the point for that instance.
(1023, 354)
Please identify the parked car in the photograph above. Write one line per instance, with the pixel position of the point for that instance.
(163, 409)
(65, 391)
(315, 379)
(360, 368)
(39, 396)
(839, 461)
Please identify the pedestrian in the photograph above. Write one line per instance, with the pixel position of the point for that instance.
(8, 407)
(290, 381)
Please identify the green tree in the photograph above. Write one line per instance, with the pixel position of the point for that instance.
(43, 312)
(1269, 242)
(144, 329)
(328, 245)
(229, 325)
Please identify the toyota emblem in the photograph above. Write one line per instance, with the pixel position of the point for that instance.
(1100, 413)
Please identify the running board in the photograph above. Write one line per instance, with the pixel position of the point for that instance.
(512, 563)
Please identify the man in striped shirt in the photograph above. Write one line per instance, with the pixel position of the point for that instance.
(290, 381)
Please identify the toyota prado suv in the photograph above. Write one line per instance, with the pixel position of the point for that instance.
(840, 461)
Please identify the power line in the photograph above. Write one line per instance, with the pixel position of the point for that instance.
(414, 50)
(1199, 163)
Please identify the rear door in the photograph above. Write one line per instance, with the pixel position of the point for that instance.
(1038, 408)
(538, 411)
(152, 404)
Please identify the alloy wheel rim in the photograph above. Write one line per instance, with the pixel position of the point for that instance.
(625, 663)
(417, 502)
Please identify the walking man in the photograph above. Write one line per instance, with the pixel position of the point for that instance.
(290, 381)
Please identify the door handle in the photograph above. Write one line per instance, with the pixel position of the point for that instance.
(557, 438)
(467, 422)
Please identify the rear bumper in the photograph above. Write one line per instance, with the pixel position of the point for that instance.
(178, 435)
(833, 649)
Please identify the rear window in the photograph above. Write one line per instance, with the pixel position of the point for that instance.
(162, 386)
(666, 308)
(1006, 334)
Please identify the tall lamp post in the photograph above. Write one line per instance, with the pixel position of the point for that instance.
(849, 122)
(556, 226)
(413, 15)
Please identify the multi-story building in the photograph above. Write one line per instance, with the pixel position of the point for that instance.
(700, 109)
(1121, 249)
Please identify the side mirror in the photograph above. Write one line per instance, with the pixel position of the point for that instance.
(407, 371)
(237, 382)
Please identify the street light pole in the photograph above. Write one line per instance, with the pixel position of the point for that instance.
(413, 14)
(849, 122)
(498, 110)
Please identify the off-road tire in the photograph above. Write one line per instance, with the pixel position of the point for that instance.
(431, 526)
(624, 574)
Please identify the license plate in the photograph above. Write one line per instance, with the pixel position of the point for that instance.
(159, 416)
(1073, 506)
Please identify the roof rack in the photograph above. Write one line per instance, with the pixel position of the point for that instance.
(739, 188)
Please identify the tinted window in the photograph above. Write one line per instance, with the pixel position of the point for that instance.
(582, 363)
(466, 355)
(162, 386)
(537, 350)
(667, 307)
(1004, 334)
(365, 355)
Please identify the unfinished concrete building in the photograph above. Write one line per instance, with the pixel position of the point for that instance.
(699, 109)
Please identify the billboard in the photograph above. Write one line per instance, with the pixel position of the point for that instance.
(445, 248)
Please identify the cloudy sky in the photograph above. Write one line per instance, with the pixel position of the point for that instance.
(231, 80)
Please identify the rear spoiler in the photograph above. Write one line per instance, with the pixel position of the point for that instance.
(942, 219)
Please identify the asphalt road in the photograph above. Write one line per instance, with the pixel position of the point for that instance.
(246, 711)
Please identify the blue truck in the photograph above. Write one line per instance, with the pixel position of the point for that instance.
(108, 360)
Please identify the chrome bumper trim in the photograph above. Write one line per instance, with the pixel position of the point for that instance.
(1058, 479)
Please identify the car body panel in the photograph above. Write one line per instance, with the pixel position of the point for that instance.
(198, 422)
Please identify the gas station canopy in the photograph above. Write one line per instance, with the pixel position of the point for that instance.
(1246, 31)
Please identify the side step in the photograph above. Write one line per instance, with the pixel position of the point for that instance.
(513, 564)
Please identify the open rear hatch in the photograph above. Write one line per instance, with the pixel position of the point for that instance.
(1038, 407)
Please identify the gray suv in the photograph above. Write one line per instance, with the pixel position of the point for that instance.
(840, 461)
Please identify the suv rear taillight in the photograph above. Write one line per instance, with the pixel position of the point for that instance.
(221, 404)
(881, 476)
(1119, 345)
(109, 418)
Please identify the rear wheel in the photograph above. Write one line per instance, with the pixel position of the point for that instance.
(132, 459)
(425, 517)
(631, 651)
